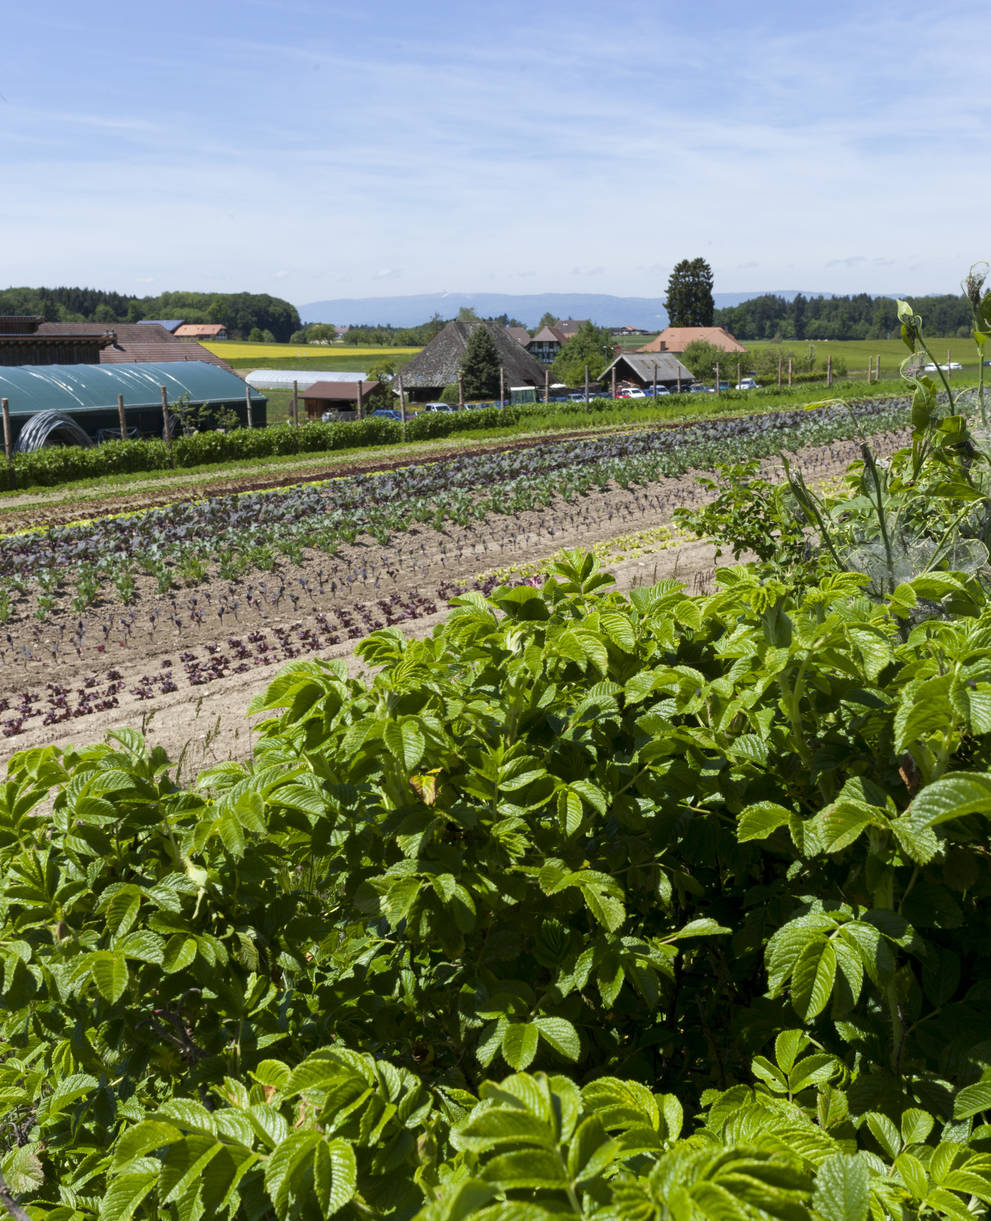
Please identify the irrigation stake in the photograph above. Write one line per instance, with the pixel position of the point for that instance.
(167, 425)
(8, 445)
(120, 416)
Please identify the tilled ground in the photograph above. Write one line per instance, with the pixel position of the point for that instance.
(184, 665)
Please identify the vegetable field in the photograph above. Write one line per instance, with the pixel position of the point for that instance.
(661, 905)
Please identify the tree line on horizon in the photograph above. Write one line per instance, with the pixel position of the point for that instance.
(860, 316)
(270, 318)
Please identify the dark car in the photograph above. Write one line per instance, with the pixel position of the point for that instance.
(388, 413)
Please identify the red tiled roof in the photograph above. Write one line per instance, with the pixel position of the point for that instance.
(677, 338)
(199, 330)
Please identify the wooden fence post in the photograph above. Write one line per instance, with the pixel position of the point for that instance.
(718, 387)
(779, 372)
(949, 371)
(167, 425)
(360, 385)
(247, 406)
(295, 403)
(738, 372)
(461, 391)
(789, 371)
(586, 385)
(613, 390)
(8, 445)
(655, 379)
(502, 387)
(402, 407)
(547, 386)
(120, 417)
(877, 367)
(829, 369)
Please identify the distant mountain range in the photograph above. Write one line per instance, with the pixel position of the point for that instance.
(602, 309)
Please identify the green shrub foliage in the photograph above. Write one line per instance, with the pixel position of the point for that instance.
(585, 906)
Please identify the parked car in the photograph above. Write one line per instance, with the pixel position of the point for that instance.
(931, 367)
(388, 413)
(747, 383)
(649, 391)
(438, 407)
(631, 392)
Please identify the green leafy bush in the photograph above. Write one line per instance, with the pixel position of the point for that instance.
(654, 857)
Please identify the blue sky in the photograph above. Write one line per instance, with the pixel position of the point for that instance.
(316, 150)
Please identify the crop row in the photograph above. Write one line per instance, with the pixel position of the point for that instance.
(231, 535)
(237, 653)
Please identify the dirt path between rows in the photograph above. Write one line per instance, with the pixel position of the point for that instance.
(184, 666)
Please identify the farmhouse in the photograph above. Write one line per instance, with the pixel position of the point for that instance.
(677, 338)
(439, 363)
(644, 369)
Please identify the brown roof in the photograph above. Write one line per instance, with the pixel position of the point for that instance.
(550, 334)
(137, 343)
(677, 338)
(520, 334)
(19, 324)
(338, 391)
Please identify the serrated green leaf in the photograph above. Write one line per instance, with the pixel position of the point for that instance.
(761, 820)
(842, 1188)
(519, 1044)
(972, 1100)
(559, 1034)
(109, 972)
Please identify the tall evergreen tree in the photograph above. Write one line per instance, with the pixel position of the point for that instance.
(689, 301)
(480, 364)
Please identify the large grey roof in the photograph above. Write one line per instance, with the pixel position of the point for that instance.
(438, 363)
(669, 368)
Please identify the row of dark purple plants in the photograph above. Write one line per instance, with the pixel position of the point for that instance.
(195, 667)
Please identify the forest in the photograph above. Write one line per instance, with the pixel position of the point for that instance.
(860, 316)
(240, 313)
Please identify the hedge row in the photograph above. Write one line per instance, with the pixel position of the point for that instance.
(64, 464)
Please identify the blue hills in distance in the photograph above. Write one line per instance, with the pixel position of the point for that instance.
(601, 308)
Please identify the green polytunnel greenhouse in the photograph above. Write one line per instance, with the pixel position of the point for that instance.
(77, 404)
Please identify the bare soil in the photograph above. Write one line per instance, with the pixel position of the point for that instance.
(184, 665)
